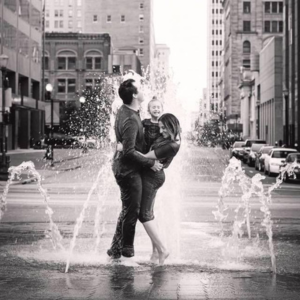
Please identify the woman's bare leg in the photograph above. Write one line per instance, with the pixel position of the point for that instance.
(152, 231)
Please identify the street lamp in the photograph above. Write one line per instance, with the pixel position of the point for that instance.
(49, 152)
(285, 93)
(82, 100)
(5, 161)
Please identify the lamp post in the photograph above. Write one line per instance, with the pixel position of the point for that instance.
(286, 101)
(82, 100)
(84, 146)
(5, 159)
(49, 152)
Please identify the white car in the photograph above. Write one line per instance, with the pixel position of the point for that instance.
(275, 158)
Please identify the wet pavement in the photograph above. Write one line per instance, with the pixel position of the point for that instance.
(202, 265)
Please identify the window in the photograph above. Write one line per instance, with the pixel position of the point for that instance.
(221, 11)
(246, 63)
(213, 53)
(247, 26)
(141, 52)
(93, 61)
(212, 74)
(141, 5)
(220, 43)
(108, 18)
(61, 24)
(46, 60)
(66, 62)
(216, 11)
(95, 18)
(212, 63)
(217, 43)
(70, 24)
(267, 7)
(122, 18)
(61, 85)
(280, 26)
(55, 24)
(280, 6)
(141, 28)
(78, 13)
(274, 26)
(247, 7)
(70, 12)
(56, 13)
(61, 13)
(141, 17)
(71, 85)
(47, 13)
(213, 32)
(141, 41)
(274, 7)
(79, 2)
(213, 11)
(212, 42)
(89, 84)
(267, 26)
(47, 24)
(220, 31)
(78, 24)
(246, 47)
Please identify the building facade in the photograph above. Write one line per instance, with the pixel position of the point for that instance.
(162, 59)
(64, 15)
(73, 63)
(21, 40)
(248, 25)
(128, 24)
(214, 52)
(291, 71)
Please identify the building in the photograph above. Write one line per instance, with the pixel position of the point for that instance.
(261, 95)
(21, 39)
(64, 15)
(204, 108)
(248, 25)
(291, 72)
(73, 63)
(129, 24)
(162, 59)
(214, 51)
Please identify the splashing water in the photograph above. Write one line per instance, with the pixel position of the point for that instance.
(15, 172)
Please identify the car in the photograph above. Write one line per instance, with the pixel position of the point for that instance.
(275, 158)
(253, 153)
(235, 149)
(260, 157)
(247, 148)
(291, 159)
(60, 140)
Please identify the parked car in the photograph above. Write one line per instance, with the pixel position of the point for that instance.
(253, 153)
(290, 159)
(247, 148)
(275, 158)
(58, 140)
(260, 157)
(90, 142)
(235, 149)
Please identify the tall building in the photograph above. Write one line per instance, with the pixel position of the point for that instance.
(130, 24)
(248, 25)
(291, 72)
(214, 52)
(64, 15)
(21, 40)
(162, 59)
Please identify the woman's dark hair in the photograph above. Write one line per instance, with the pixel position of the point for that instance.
(172, 125)
(127, 90)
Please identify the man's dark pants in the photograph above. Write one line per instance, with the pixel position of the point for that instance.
(131, 195)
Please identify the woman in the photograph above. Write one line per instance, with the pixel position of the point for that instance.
(164, 149)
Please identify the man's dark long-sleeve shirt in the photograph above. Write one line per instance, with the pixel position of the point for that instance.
(129, 131)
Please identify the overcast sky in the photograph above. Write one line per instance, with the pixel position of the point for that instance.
(182, 25)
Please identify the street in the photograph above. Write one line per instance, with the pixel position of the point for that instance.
(202, 264)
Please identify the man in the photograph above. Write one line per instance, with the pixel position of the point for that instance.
(127, 167)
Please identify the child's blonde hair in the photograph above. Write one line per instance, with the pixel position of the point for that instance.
(154, 99)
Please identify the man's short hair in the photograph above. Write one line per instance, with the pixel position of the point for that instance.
(127, 90)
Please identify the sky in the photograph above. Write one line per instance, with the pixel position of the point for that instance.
(182, 25)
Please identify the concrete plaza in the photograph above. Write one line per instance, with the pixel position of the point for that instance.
(202, 265)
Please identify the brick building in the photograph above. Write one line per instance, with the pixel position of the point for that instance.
(21, 39)
(73, 62)
(129, 23)
(248, 25)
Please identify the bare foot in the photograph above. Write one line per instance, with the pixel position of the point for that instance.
(154, 257)
(162, 257)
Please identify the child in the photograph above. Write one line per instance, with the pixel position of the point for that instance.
(151, 128)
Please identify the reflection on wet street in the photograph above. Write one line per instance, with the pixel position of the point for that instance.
(202, 264)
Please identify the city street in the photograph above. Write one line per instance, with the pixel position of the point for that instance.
(202, 265)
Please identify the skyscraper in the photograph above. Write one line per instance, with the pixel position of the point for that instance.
(214, 52)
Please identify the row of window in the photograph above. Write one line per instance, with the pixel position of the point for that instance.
(216, 53)
(216, 31)
(69, 63)
(269, 26)
(217, 22)
(122, 18)
(71, 2)
(217, 11)
(217, 43)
